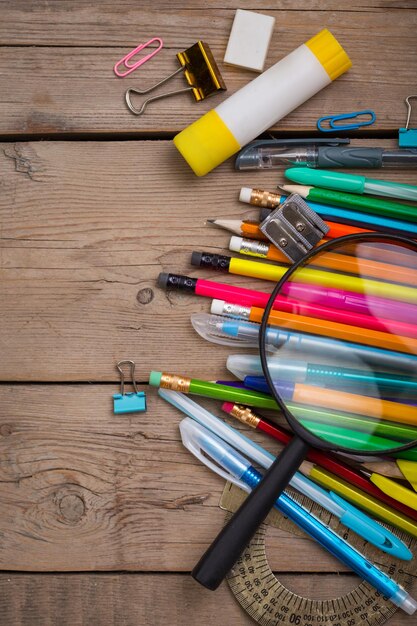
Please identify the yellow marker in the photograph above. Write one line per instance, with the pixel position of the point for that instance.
(266, 271)
(360, 498)
(395, 490)
(409, 470)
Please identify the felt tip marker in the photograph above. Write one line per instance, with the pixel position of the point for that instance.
(351, 183)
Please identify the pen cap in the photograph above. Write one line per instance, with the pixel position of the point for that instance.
(220, 133)
(212, 451)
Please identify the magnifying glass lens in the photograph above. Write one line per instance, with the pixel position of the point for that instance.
(346, 374)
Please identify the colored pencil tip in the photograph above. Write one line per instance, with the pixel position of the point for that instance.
(211, 221)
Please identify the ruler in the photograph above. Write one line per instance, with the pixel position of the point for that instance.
(270, 603)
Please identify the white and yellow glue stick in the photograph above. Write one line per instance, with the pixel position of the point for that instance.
(221, 132)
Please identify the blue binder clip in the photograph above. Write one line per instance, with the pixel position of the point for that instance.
(332, 119)
(407, 137)
(133, 402)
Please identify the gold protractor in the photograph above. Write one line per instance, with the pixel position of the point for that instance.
(270, 603)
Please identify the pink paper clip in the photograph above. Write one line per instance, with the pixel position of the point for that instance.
(125, 60)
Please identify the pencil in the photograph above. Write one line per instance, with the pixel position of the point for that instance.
(330, 260)
(250, 229)
(326, 460)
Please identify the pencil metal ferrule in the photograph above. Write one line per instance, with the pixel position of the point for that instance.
(175, 382)
(263, 198)
(254, 248)
(245, 415)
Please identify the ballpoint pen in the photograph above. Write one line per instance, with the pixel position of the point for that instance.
(351, 183)
(238, 469)
(405, 470)
(334, 376)
(304, 324)
(265, 155)
(327, 210)
(394, 512)
(348, 515)
(241, 333)
(356, 202)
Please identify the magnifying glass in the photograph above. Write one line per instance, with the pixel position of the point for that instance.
(359, 401)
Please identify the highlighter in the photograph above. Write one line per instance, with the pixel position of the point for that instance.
(257, 106)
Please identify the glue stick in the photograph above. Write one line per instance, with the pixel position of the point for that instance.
(221, 132)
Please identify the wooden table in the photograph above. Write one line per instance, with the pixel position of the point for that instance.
(103, 516)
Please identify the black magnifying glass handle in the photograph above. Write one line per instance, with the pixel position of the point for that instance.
(234, 537)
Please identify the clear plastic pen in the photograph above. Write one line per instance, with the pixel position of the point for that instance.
(214, 452)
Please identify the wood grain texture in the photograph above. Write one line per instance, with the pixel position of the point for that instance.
(137, 599)
(72, 89)
(83, 489)
(85, 230)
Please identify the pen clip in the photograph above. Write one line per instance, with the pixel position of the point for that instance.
(188, 429)
(369, 529)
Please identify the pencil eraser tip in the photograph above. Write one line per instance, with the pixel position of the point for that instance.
(227, 407)
(155, 378)
(196, 258)
(235, 243)
(245, 194)
(163, 280)
(217, 307)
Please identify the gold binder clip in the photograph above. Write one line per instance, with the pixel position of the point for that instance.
(200, 70)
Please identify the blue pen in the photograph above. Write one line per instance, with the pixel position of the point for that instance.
(349, 515)
(240, 333)
(234, 467)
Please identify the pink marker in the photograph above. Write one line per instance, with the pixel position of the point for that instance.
(252, 298)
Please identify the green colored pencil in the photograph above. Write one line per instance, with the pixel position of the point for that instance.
(354, 201)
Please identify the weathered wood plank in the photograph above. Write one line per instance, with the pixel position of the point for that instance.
(75, 23)
(68, 89)
(85, 231)
(83, 489)
(138, 599)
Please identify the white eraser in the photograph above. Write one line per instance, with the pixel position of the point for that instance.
(235, 243)
(249, 40)
(245, 195)
(217, 307)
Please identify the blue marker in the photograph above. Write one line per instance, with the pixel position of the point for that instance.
(234, 467)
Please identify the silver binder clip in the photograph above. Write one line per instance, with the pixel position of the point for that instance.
(133, 402)
(294, 227)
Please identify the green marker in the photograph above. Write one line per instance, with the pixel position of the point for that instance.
(351, 183)
(212, 390)
(352, 201)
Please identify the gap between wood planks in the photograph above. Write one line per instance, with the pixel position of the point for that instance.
(167, 135)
